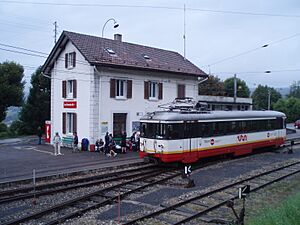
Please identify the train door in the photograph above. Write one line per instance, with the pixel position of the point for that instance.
(187, 142)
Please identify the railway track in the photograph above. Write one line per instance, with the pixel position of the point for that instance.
(131, 181)
(104, 196)
(59, 186)
(193, 210)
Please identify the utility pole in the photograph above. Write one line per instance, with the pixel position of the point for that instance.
(269, 98)
(55, 31)
(234, 88)
(184, 45)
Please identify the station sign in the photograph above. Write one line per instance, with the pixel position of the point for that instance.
(70, 104)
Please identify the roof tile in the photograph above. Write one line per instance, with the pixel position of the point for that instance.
(131, 55)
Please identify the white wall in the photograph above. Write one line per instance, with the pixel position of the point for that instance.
(83, 73)
(94, 104)
(137, 104)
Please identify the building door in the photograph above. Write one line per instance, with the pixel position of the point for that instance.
(119, 124)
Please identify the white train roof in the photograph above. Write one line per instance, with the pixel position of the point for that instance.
(160, 116)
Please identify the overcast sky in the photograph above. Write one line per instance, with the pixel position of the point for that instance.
(215, 31)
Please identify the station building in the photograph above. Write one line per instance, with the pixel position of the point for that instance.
(101, 85)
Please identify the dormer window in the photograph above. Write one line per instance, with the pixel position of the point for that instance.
(110, 51)
(146, 57)
(70, 60)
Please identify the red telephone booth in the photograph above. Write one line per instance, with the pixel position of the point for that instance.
(48, 131)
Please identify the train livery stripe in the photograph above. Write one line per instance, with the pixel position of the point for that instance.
(213, 147)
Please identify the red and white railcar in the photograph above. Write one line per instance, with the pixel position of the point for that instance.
(188, 135)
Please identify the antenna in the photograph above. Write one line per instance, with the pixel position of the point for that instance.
(55, 31)
(184, 45)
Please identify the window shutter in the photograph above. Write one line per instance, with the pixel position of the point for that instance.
(181, 91)
(66, 60)
(160, 91)
(112, 88)
(64, 89)
(146, 89)
(74, 59)
(74, 88)
(64, 115)
(129, 88)
(74, 122)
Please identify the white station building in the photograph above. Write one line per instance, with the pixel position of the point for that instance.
(101, 85)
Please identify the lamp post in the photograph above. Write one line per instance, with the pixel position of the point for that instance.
(115, 24)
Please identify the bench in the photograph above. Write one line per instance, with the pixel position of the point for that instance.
(67, 142)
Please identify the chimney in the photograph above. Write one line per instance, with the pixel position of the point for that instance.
(118, 37)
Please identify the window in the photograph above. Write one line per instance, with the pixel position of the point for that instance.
(153, 90)
(70, 60)
(110, 51)
(69, 123)
(120, 88)
(69, 89)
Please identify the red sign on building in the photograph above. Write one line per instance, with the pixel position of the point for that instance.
(48, 131)
(70, 104)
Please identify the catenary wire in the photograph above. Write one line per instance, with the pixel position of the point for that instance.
(252, 50)
(150, 7)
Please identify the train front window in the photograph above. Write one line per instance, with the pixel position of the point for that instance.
(153, 130)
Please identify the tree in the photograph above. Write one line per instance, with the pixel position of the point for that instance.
(212, 86)
(11, 86)
(295, 90)
(260, 97)
(37, 107)
(242, 88)
(290, 106)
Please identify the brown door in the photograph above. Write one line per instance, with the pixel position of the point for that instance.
(119, 124)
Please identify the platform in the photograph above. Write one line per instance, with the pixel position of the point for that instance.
(20, 156)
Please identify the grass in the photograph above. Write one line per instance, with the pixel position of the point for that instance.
(286, 213)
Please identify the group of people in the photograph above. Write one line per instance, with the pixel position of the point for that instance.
(107, 147)
(110, 148)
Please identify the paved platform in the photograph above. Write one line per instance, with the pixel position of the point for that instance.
(20, 156)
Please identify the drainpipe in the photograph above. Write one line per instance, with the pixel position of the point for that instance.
(100, 97)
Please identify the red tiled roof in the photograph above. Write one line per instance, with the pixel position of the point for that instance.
(129, 55)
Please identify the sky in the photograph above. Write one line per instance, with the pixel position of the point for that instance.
(223, 37)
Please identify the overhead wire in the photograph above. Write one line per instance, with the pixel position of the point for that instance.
(252, 50)
(149, 7)
(40, 54)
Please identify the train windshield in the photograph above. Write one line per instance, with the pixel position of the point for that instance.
(162, 131)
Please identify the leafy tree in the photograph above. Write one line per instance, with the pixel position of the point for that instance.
(260, 97)
(212, 86)
(295, 89)
(37, 107)
(11, 86)
(3, 127)
(290, 106)
(242, 88)
(15, 128)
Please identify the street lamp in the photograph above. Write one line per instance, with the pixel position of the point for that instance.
(115, 24)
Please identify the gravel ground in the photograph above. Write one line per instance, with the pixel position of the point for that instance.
(205, 179)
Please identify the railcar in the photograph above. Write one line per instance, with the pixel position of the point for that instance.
(189, 135)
